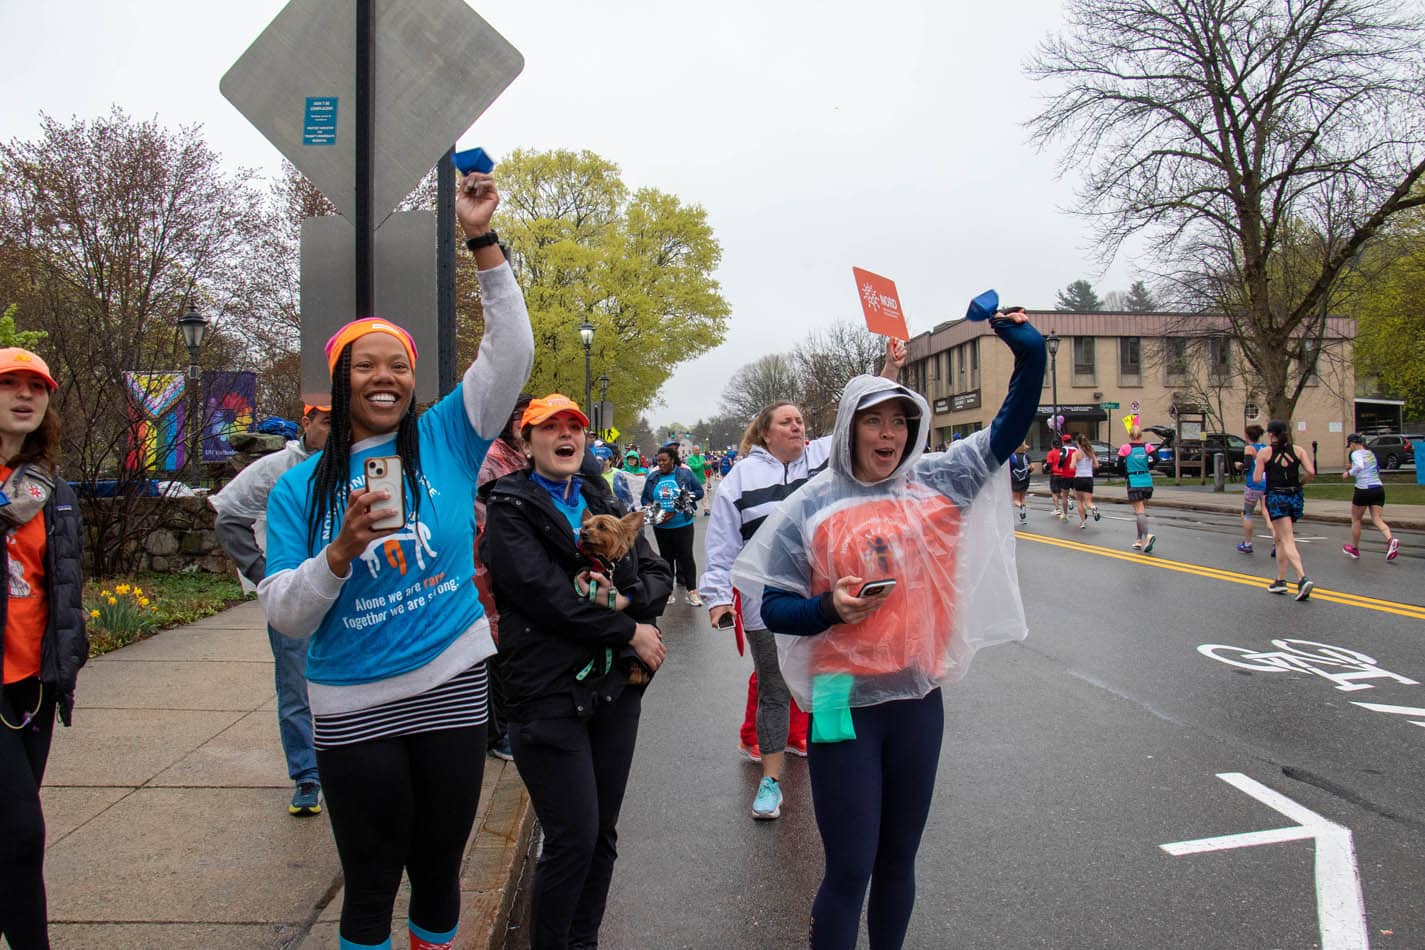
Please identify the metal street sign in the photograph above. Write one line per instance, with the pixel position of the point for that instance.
(1108, 405)
(405, 291)
(438, 66)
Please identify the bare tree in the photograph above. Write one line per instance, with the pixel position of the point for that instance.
(772, 378)
(1258, 144)
(108, 229)
(825, 361)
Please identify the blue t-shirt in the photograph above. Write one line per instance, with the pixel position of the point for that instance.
(665, 490)
(410, 594)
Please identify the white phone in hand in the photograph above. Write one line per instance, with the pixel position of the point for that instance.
(384, 474)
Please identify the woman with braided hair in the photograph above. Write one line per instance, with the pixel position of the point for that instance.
(398, 638)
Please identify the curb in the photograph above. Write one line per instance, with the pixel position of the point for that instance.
(1405, 523)
(495, 862)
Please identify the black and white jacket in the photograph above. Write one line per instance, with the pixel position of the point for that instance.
(748, 494)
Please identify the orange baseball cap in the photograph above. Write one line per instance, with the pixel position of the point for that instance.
(357, 329)
(539, 410)
(309, 408)
(13, 359)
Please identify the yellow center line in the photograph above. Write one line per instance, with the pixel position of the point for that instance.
(1413, 611)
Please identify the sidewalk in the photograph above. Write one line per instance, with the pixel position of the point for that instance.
(1203, 498)
(167, 819)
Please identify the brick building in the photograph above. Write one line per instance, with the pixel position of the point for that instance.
(1164, 366)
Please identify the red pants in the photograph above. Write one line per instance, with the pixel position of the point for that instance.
(796, 728)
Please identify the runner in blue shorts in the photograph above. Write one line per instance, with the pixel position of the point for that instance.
(1282, 468)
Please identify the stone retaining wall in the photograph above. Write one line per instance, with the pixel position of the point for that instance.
(170, 535)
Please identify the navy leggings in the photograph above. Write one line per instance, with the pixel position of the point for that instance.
(872, 797)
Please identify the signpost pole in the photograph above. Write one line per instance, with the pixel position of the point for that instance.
(445, 271)
(365, 178)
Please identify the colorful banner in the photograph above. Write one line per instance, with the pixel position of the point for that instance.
(228, 402)
(158, 420)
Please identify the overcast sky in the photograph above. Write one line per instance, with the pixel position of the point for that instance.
(818, 136)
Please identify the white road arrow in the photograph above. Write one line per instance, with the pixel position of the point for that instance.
(1397, 710)
(1340, 909)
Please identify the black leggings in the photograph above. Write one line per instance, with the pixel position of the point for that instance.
(872, 796)
(576, 771)
(675, 545)
(23, 754)
(407, 802)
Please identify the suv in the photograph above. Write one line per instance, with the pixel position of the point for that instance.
(1233, 448)
(1164, 454)
(1392, 451)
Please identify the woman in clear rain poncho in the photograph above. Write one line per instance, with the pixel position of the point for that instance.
(869, 668)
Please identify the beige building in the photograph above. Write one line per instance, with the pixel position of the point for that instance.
(1171, 369)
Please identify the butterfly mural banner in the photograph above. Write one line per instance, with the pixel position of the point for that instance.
(158, 410)
(229, 400)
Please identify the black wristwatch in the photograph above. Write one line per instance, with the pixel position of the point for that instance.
(484, 240)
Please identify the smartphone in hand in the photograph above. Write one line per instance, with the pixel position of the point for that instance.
(872, 588)
(726, 620)
(384, 474)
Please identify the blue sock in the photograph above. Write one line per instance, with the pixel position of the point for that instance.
(353, 945)
(430, 937)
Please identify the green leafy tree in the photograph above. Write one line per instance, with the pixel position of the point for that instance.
(1078, 297)
(637, 265)
(1390, 314)
(10, 335)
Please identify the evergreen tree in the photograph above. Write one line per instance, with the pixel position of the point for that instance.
(1140, 299)
(1078, 297)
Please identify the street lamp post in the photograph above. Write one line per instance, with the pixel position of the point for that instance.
(1052, 344)
(586, 335)
(194, 328)
(603, 401)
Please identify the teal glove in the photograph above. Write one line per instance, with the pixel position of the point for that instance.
(831, 707)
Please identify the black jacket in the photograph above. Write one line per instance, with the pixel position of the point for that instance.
(65, 646)
(548, 633)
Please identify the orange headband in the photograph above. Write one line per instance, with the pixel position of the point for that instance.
(357, 329)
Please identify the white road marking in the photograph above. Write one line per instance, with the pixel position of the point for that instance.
(1397, 710)
(1340, 908)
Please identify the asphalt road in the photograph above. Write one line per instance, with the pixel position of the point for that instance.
(1072, 758)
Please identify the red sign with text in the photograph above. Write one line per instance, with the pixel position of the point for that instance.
(881, 303)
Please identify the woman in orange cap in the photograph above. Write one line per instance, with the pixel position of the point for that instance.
(577, 645)
(398, 639)
(43, 642)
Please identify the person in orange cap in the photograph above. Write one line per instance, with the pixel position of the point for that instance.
(397, 637)
(44, 642)
(577, 647)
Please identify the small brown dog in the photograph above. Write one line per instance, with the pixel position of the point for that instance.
(604, 541)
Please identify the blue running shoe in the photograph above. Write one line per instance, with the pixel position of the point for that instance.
(1245, 547)
(306, 800)
(768, 803)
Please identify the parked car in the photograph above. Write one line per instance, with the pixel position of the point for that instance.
(1195, 451)
(1392, 451)
(1109, 464)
